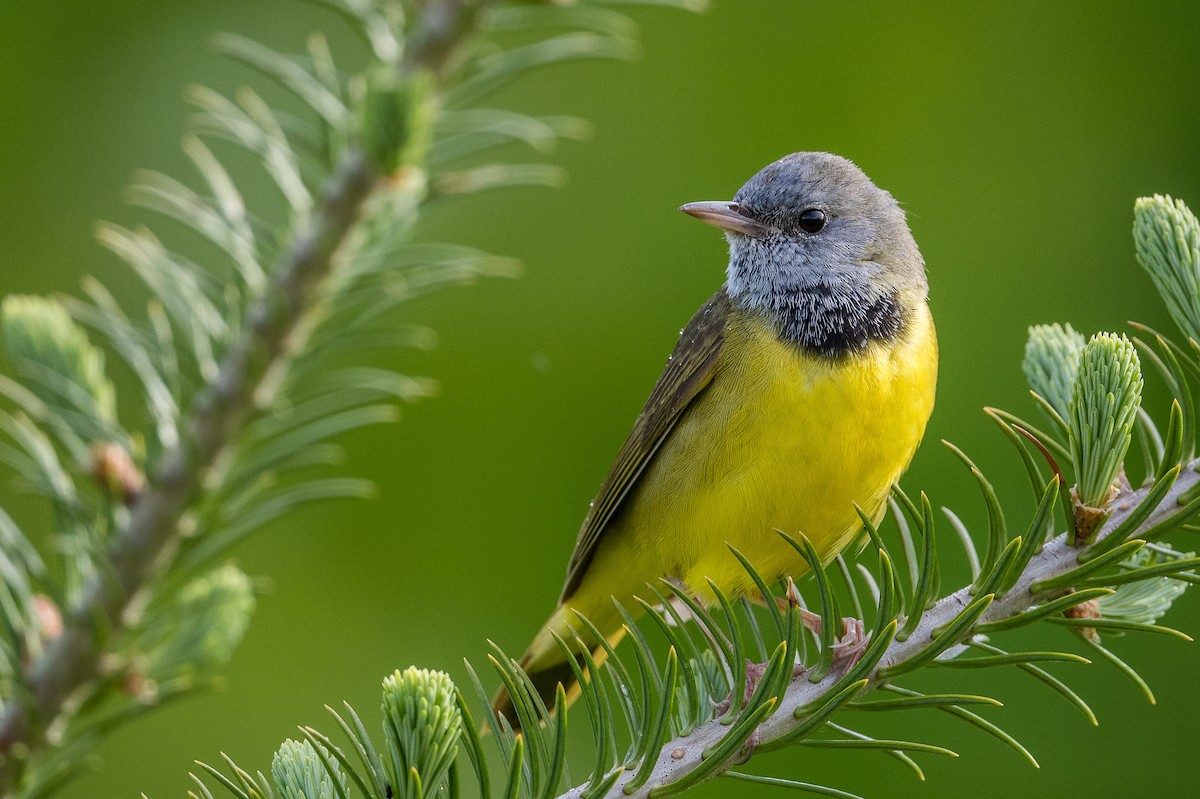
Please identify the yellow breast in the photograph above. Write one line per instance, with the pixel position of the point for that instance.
(779, 439)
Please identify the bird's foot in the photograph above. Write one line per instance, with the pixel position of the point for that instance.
(849, 647)
(754, 674)
(749, 746)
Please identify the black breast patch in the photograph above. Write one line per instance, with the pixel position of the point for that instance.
(833, 322)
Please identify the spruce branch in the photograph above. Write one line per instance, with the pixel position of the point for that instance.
(1056, 559)
(154, 524)
(236, 367)
(678, 739)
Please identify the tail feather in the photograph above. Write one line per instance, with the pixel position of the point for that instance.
(546, 679)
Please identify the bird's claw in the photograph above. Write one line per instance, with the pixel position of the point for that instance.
(849, 647)
(754, 673)
(749, 746)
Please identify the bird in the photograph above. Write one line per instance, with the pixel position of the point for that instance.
(800, 390)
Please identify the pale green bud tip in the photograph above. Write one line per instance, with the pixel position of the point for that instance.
(1113, 358)
(204, 628)
(222, 602)
(1104, 405)
(299, 772)
(41, 338)
(1166, 236)
(423, 724)
(422, 696)
(1051, 363)
(396, 118)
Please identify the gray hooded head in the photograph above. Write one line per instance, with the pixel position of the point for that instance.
(822, 251)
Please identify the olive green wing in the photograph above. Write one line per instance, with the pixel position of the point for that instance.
(689, 370)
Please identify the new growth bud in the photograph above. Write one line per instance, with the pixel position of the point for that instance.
(115, 472)
(422, 723)
(62, 366)
(1051, 363)
(201, 630)
(1166, 236)
(395, 118)
(300, 772)
(1104, 405)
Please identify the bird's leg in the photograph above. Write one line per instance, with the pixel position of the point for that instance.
(847, 649)
(789, 600)
(755, 671)
(681, 610)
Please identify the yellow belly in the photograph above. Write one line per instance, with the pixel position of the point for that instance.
(779, 439)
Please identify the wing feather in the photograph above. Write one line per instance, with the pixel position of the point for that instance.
(689, 370)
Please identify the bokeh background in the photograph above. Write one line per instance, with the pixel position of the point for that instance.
(1016, 134)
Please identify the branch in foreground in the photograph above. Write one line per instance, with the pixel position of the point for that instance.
(788, 705)
(683, 756)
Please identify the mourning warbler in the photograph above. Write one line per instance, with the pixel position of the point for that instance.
(800, 389)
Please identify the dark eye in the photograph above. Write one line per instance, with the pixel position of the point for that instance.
(812, 220)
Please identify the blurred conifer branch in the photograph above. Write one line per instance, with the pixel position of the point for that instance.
(247, 365)
(663, 722)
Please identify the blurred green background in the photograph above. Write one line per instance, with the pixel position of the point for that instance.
(1017, 136)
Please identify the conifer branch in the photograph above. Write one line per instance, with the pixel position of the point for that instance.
(154, 523)
(682, 756)
(272, 327)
